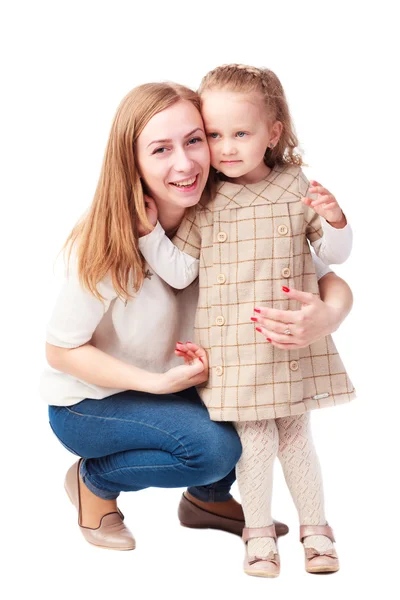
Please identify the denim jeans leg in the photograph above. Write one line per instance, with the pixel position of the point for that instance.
(134, 440)
(215, 492)
(100, 492)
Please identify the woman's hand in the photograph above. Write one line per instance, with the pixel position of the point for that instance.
(152, 216)
(314, 320)
(193, 372)
(325, 205)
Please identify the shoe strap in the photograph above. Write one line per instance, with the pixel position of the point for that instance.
(257, 532)
(307, 530)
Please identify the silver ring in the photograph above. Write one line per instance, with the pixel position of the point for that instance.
(287, 332)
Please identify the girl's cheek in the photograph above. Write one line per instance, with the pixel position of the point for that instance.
(213, 153)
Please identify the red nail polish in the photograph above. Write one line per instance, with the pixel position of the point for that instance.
(201, 359)
(188, 342)
(269, 340)
(253, 319)
(258, 329)
(257, 310)
(285, 289)
(181, 343)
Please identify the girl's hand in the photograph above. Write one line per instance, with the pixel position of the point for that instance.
(313, 321)
(183, 351)
(325, 205)
(152, 215)
(189, 352)
(193, 372)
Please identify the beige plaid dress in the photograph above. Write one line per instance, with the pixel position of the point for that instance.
(251, 240)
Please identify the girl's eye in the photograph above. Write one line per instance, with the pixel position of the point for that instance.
(213, 135)
(195, 140)
(241, 134)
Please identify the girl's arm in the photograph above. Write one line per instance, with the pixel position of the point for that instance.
(175, 267)
(324, 216)
(334, 247)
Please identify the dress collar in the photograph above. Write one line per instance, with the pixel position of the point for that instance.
(280, 186)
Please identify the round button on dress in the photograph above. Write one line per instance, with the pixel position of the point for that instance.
(282, 230)
(222, 236)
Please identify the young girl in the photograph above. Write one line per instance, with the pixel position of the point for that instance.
(250, 245)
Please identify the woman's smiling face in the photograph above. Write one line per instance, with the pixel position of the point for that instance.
(173, 156)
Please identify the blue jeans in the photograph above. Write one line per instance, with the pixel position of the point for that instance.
(135, 440)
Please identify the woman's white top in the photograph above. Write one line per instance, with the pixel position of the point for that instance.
(142, 332)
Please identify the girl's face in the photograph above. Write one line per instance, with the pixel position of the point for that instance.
(238, 133)
(173, 156)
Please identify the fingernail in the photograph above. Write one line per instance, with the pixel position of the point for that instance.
(201, 359)
(257, 310)
(258, 329)
(269, 340)
(285, 289)
(179, 343)
(253, 319)
(188, 342)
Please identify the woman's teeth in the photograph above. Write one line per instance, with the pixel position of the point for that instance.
(186, 183)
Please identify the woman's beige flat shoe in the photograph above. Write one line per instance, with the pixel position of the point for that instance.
(319, 562)
(111, 533)
(268, 566)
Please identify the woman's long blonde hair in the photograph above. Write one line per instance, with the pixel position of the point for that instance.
(106, 238)
(247, 79)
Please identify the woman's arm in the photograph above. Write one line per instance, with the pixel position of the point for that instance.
(96, 367)
(316, 318)
(336, 293)
(75, 317)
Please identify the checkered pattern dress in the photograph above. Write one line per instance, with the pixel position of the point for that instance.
(251, 240)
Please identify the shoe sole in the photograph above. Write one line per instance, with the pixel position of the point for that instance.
(322, 570)
(261, 574)
(216, 528)
(109, 547)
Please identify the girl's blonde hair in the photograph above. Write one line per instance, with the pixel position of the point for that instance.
(247, 79)
(107, 236)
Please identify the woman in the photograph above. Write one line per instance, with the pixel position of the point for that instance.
(117, 394)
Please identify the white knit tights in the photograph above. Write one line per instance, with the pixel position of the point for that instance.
(289, 438)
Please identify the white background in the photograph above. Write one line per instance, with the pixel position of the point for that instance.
(66, 66)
